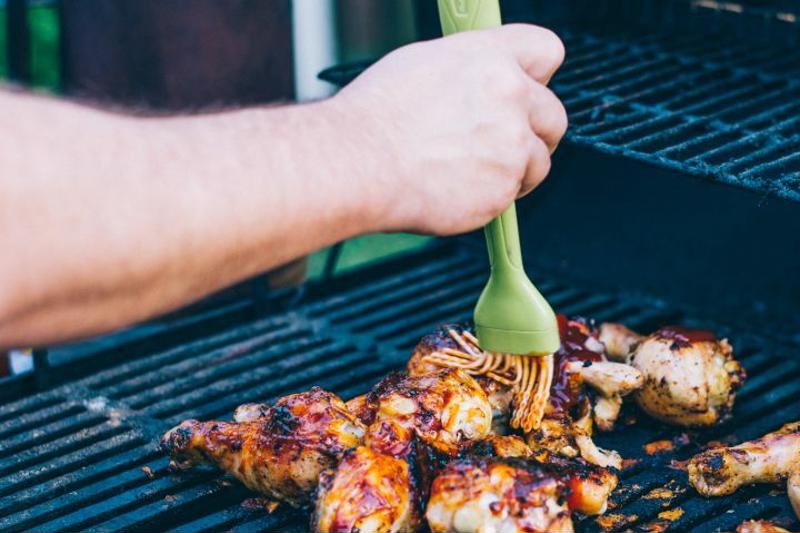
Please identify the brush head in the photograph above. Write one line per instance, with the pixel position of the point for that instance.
(513, 317)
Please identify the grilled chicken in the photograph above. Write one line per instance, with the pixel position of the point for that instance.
(499, 395)
(759, 526)
(491, 494)
(574, 371)
(499, 446)
(690, 378)
(367, 492)
(567, 426)
(619, 341)
(588, 486)
(581, 363)
(793, 490)
(770, 459)
(611, 381)
(606, 377)
(279, 454)
(446, 410)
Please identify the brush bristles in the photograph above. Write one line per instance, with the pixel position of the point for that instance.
(530, 377)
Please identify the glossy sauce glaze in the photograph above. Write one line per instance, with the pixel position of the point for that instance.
(683, 337)
(567, 391)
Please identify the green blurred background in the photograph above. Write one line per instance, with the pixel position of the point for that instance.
(43, 21)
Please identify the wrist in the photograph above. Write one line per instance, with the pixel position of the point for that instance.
(367, 169)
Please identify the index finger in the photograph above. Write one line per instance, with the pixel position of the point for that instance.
(538, 50)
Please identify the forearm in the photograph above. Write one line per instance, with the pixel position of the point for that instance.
(106, 220)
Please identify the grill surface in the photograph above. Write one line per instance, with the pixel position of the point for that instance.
(84, 456)
(715, 107)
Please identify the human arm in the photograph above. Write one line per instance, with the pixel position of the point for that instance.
(108, 219)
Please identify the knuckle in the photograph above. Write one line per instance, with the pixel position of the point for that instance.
(553, 46)
(549, 115)
(561, 122)
(539, 163)
(507, 194)
(504, 83)
(520, 137)
(543, 164)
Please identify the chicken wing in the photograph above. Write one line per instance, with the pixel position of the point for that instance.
(367, 492)
(279, 454)
(491, 494)
(578, 364)
(606, 377)
(690, 378)
(611, 381)
(446, 410)
(589, 485)
(619, 341)
(770, 459)
(567, 427)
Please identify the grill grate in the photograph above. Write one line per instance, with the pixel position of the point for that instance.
(84, 456)
(235, 305)
(709, 106)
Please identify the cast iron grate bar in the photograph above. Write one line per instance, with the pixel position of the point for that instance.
(704, 105)
(94, 464)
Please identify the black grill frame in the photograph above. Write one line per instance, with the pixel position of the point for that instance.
(707, 104)
(73, 458)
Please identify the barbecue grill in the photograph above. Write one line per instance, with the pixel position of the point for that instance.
(672, 201)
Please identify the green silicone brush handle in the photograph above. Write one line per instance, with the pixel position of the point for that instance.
(511, 315)
(465, 15)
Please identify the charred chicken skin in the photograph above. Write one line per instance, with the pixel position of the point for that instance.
(446, 410)
(499, 446)
(491, 494)
(367, 492)
(280, 454)
(770, 459)
(581, 368)
(561, 435)
(499, 395)
(690, 377)
(579, 365)
(589, 486)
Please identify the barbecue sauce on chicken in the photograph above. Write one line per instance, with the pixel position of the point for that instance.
(683, 337)
(567, 391)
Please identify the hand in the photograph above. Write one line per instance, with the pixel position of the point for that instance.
(451, 131)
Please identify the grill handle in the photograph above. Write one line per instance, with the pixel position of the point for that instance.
(511, 315)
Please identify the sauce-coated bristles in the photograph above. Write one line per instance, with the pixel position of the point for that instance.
(530, 376)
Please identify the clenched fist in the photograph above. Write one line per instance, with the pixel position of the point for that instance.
(453, 130)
